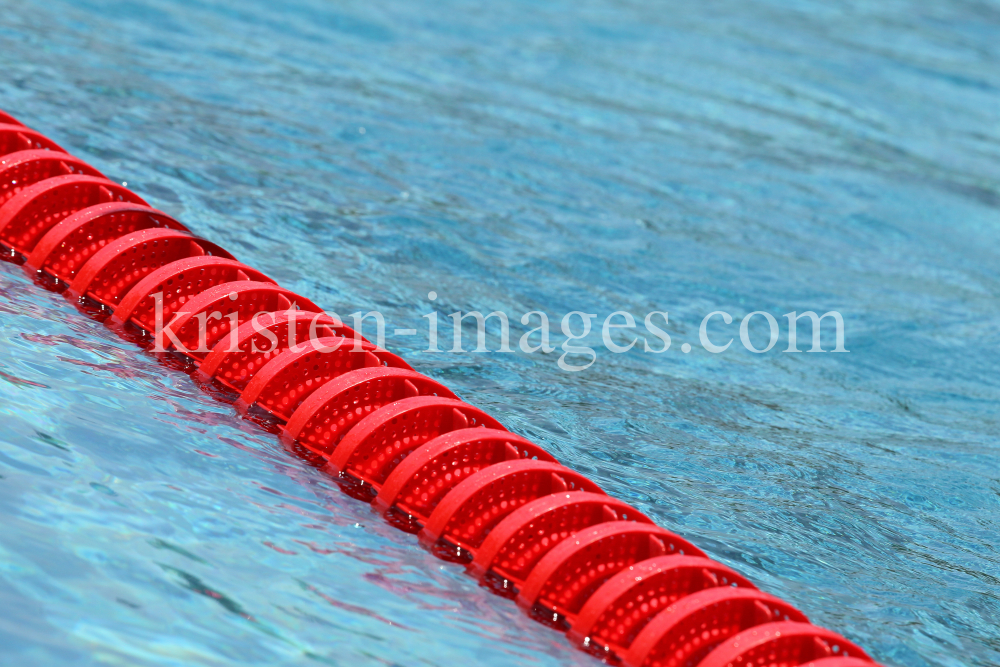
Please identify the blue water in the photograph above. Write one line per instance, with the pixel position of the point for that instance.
(587, 155)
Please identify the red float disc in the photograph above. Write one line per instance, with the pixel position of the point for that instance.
(178, 282)
(327, 416)
(33, 211)
(423, 478)
(372, 449)
(23, 168)
(839, 662)
(622, 606)
(7, 119)
(291, 377)
(68, 245)
(781, 644)
(515, 544)
(15, 137)
(227, 306)
(466, 515)
(235, 361)
(117, 267)
(687, 630)
(570, 573)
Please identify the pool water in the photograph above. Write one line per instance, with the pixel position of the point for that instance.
(594, 156)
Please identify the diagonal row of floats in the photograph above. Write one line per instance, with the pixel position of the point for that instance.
(525, 526)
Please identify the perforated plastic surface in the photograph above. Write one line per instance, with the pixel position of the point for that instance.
(517, 543)
(15, 137)
(118, 266)
(470, 511)
(622, 606)
(225, 307)
(687, 630)
(781, 644)
(178, 282)
(327, 416)
(440, 466)
(23, 168)
(71, 243)
(291, 377)
(423, 409)
(565, 577)
(422, 479)
(30, 213)
(235, 360)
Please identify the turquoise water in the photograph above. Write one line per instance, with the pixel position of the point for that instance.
(594, 156)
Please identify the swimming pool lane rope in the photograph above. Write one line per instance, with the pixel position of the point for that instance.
(526, 527)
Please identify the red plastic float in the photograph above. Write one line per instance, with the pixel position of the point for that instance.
(291, 377)
(375, 446)
(621, 607)
(469, 512)
(416, 486)
(626, 588)
(71, 243)
(33, 211)
(687, 630)
(15, 137)
(564, 578)
(327, 416)
(781, 644)
(225, 307)
(178, 282)
(235, 361)
(517, 543)
(7, 119)
(23, 168)
(117, 267)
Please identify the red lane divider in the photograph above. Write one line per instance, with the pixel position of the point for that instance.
(526, 526)
(236, 360)
(7, 119)
(381, 440)
(686, 631)
(618, 610)
(213, 312)
(71, 243)
(562, 580)
(516, 544)
(16, 137)
(23, 168)
(29, 214)
(470, 511)
(781, 643)
(176, 283)
(371, 397)
(415, 487)
(115, 269)
(290, 378)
